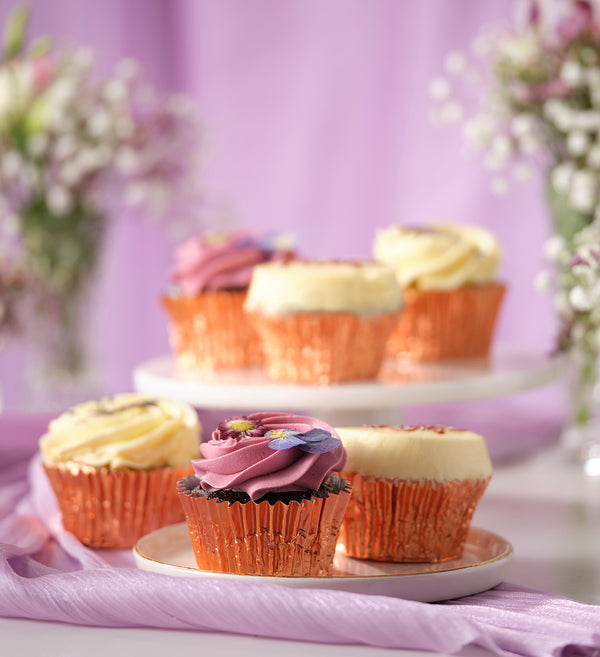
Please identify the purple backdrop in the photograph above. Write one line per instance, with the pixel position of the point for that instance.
(316, 116)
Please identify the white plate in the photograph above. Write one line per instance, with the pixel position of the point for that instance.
(483, 565)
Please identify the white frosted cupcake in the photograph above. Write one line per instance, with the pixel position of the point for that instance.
(414, 491)
(323, 322)
(448, 276)
(114, 465)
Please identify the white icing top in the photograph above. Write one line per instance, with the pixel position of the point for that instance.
(364, 288)
(440, 256)
(125, 431)
(430, 453)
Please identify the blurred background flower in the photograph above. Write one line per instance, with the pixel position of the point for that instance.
(528, 96)
(71, 144)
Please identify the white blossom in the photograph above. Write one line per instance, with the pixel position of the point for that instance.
(555, 247)
(59, 200)
(583, 192)
(451, 112)
(562, 175)
(593, 156)
(578, 143)
(499, 186)
(579, 299)
(455, 63)
(572, 73)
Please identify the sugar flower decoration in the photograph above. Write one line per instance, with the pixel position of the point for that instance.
(239, 427)
(315, 441)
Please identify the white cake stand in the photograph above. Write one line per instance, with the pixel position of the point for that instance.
(506, 371)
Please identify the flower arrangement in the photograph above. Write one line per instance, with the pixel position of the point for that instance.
(68, 138)
(541, 107)
(541, 103)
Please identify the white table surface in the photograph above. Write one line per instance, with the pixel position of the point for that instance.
(547, 508)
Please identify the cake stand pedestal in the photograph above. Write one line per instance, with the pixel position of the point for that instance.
(507, 371)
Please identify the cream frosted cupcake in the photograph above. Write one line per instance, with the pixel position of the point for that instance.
(208, 328)
(114, 464)
(448, 276)
(323, 322)
(264, 498)
(414, 491)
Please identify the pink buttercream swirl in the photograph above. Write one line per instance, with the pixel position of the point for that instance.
(237, 458)
(222, 261)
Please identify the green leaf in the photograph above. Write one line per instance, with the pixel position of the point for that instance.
(14, 31)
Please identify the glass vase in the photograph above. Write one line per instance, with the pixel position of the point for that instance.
(581, 435)
(62, 253)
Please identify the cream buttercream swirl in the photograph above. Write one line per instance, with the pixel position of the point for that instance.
(217, 261)
(363, 288)
(441, 256)
(238, 456)
(125, 431)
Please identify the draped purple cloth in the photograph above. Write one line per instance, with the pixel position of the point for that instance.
(46, 574)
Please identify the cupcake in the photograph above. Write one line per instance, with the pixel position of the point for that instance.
(323, 322)
(264, 499)
(114, 465)
(208, 328)
(414, 491)
(452, 299)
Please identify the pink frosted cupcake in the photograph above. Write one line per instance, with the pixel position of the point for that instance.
(264, 499)
(208, 326)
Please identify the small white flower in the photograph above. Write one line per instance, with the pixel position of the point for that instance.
(522, 125)
(58, 200)
(499, 186)
(37, 144)
(126, 160)
(451, 112)
(593, 156)
(529, 144)
(480, 129)
(578, 143)
(543, 281)
(583, 192)
(572, 73)
(135, 193)
(70, 173)
(439, 89)
(455, 62)
(561, 176)
(115, 91)
(555, 247)
(579, 299)
(99, 123)
(11, 164)
(65, 146)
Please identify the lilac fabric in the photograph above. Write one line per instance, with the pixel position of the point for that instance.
(46, 574)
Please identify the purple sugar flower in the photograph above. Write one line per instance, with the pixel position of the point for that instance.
(315, 441)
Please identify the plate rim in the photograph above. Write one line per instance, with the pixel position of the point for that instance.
(506, 555)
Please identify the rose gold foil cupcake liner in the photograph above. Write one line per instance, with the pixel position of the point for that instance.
(323, 348)
(107, 508)
(211, 331)
(435, 325)
(408, 521)
(295, 539)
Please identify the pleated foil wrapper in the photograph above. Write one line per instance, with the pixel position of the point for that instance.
(107, 508)
(211, 331)
(408, 521)
(436, 325)
(323, 348)
(284, 539)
